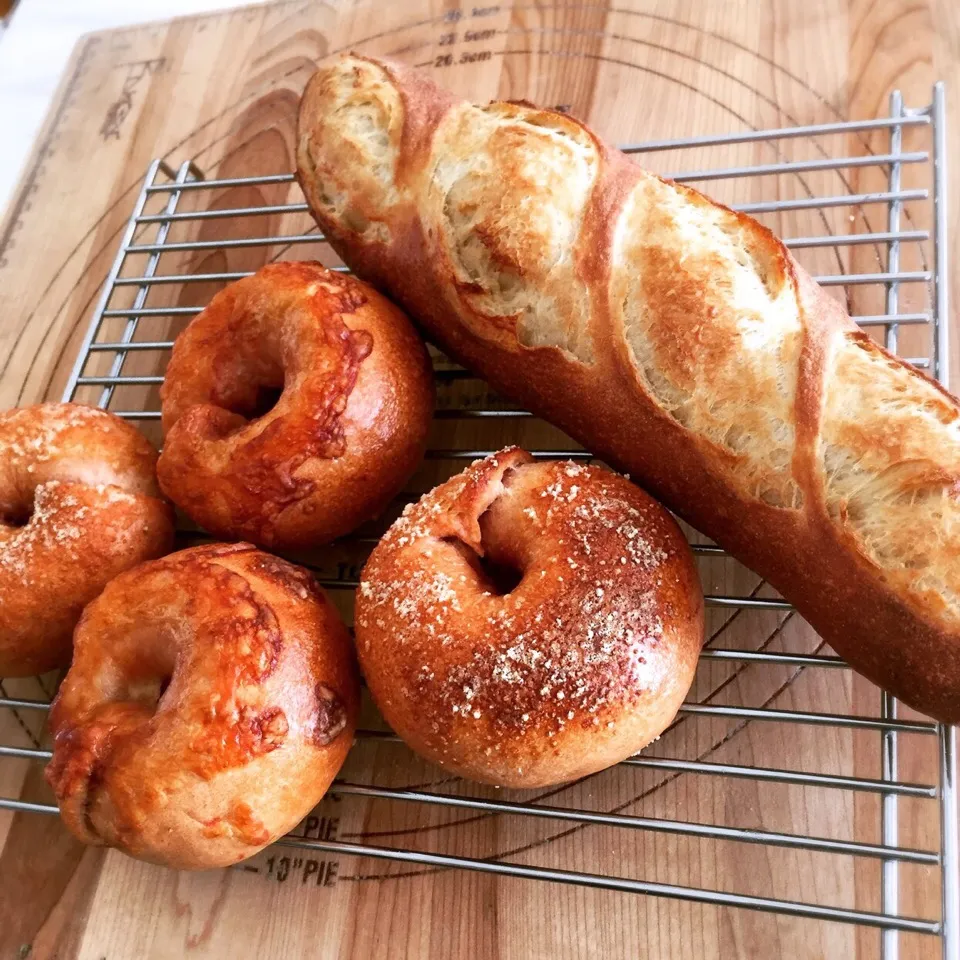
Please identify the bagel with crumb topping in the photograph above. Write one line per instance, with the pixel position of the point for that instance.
(528, 623)
(79, 503)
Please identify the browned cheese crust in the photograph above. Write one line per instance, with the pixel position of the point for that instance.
(577, 661)
(79, 503)
(348, 429)
(673, 337)
(212, 699)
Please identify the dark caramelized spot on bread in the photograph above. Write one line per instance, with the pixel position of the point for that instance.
(331, 716)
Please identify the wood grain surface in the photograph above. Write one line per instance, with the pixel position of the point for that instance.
(222, 90)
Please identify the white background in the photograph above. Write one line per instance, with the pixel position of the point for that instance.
(34, 50)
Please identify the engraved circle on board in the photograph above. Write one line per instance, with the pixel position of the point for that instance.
(775, 632)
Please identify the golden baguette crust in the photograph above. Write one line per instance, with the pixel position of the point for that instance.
(675, 338)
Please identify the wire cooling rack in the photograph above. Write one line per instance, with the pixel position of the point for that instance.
(869, 242)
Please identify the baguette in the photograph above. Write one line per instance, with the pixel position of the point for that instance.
(676, 339)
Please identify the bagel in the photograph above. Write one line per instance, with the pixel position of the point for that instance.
(211, 701)
(79, 503)
(348, 429)
(529, 623)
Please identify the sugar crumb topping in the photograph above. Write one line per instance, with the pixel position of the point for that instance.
(58, 522)
(28, 438)
(581, 643)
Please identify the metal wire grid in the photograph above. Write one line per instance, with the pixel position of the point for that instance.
(891, 789)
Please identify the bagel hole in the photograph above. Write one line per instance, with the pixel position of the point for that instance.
(502, 565)
(148, 680)
(150, 690)
(503, 577)
(498, 575)
(16, 517)
(267, 399)
(263, 399)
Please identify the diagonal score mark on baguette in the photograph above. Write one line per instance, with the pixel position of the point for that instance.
(713, 329)
(676, 339)
(369, 117)
(890, 445)
(511, 254)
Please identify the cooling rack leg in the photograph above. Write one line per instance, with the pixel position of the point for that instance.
(941, 317)
(949, 847)
(949, 808)
(890, 875)
(183, 174)
(94, 328)
(893, 221)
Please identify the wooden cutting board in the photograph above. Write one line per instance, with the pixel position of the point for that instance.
(223, 90)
